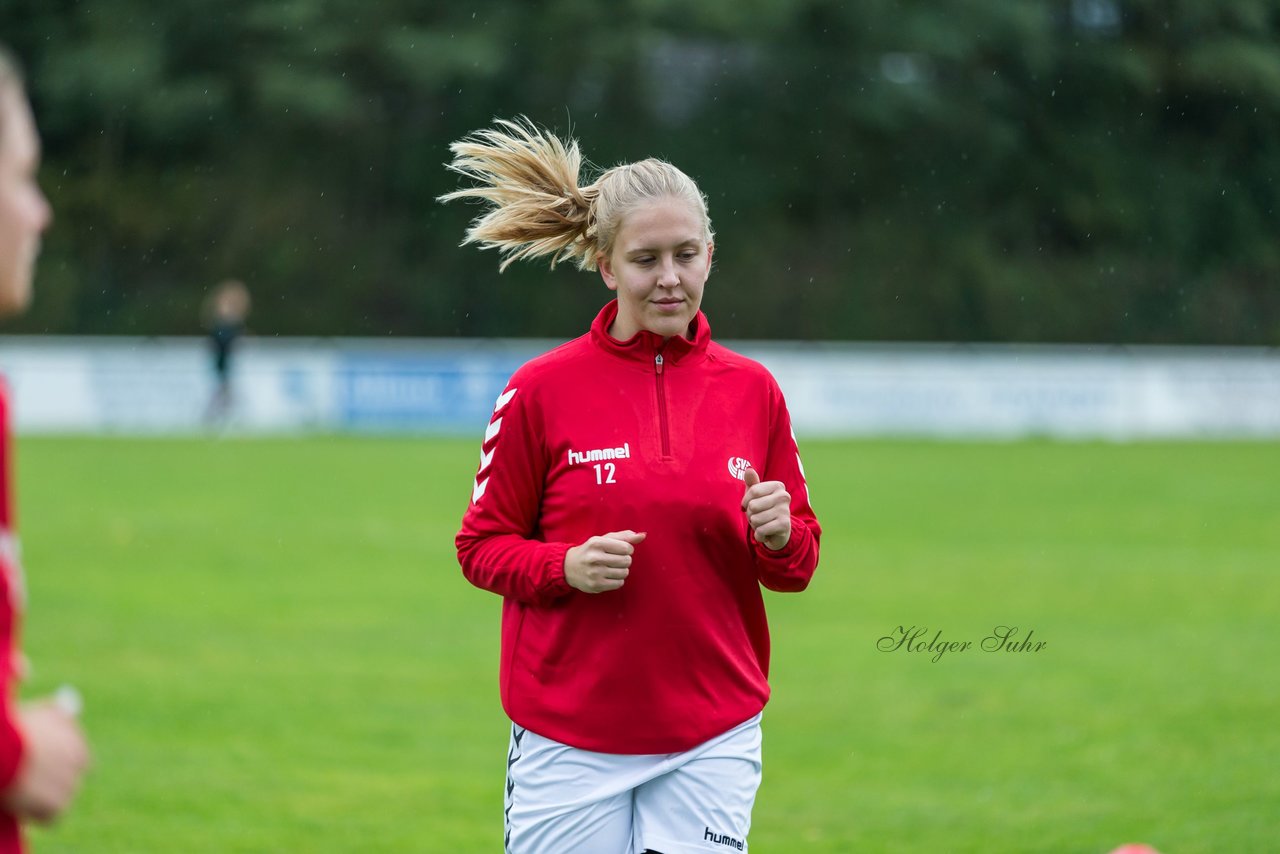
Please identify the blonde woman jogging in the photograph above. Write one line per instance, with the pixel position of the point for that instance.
(637, 487)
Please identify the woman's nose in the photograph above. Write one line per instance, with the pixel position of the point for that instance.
(667, 276)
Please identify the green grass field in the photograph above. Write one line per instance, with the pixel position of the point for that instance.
(278, 652)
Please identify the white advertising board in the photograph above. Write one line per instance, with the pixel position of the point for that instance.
(163, 386)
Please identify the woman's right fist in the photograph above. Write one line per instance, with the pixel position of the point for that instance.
(601, 563)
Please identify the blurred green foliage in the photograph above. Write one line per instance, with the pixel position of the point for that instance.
(1045, 170)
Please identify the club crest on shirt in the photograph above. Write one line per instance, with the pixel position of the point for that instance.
(738, 467)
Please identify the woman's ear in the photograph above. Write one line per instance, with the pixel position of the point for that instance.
(605, 266)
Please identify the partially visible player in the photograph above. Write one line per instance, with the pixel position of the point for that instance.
(42, 750)
(637, 486)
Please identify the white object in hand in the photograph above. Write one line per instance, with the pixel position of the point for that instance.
(68, 699)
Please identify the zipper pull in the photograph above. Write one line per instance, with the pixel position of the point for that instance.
(657, 363)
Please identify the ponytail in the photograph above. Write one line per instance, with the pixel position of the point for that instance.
(530, 179)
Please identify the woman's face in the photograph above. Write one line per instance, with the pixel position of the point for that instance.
(658, 266)
(24, 211)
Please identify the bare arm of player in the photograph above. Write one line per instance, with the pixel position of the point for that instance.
(55, 755)
(768, 508)
(601, 563)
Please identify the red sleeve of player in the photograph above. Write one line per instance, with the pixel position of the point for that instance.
(10, 742)
(499, 546)
(10, 738)
(791, 567)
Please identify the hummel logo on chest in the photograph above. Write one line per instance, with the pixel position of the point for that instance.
(580, 457)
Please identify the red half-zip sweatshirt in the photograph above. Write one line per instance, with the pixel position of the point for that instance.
(601, 435)
(11, 746)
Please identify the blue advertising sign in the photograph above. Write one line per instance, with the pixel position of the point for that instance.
(419, 393)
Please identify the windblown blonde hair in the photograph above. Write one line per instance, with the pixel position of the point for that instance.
(530, 179)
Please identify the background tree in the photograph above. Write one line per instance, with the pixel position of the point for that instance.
(1049, 170)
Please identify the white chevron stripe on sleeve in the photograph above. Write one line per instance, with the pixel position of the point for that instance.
(494, 426)
(504, 399)
(799, 462)
(491, 432)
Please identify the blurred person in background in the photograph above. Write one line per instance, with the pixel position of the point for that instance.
(225, 312)
(43, 752)
(637, 487)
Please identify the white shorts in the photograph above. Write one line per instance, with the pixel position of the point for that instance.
(562, 800)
